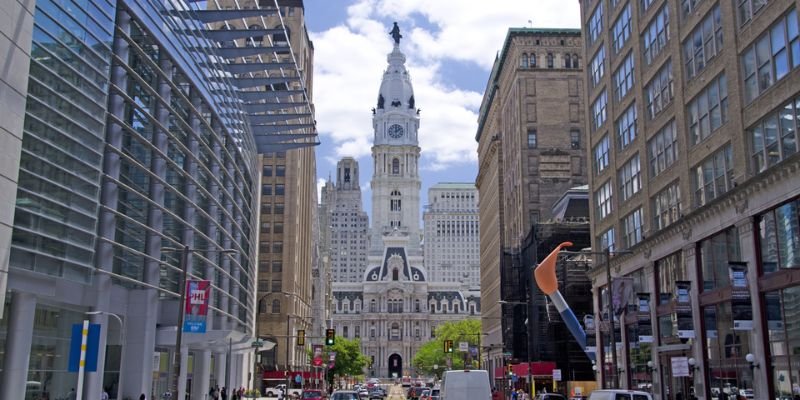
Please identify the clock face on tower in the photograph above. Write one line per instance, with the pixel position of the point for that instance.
(395, 131)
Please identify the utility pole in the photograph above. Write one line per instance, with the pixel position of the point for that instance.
(612, 333)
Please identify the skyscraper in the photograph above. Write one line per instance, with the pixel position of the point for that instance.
(452, 240)
(348, 223)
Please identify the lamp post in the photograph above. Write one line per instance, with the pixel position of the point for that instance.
(288, 338)
(184, 265)
(121, 341)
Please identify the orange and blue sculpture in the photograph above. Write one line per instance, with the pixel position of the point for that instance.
(545, 277)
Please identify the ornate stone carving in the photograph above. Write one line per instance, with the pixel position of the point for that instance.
(741, 206)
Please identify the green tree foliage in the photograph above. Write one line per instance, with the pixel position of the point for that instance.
(432, 353)
(349, 359)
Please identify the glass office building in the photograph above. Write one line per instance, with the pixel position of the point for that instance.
(136, 146)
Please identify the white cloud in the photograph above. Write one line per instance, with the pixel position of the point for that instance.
(350, 58)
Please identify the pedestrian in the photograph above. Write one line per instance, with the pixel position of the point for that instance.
(142, 397)
(513, 394)
(104, 395)
(224, 394)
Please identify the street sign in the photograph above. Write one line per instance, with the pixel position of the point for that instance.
(556, 374)
(463, 347)
(257, 343)
(435, 367)
(92, 348)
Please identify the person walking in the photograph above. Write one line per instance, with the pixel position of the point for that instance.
(142, 397)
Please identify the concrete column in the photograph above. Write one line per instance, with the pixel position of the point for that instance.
(220, 367)
(201, 374)
(140, 342)
(18, 345)
(184, 370)
(757, 348)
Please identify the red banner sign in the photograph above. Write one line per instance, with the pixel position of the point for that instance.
(196, 306)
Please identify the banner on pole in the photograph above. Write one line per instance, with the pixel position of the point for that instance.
(317, 355)
(741, 307)
(92, 348)
(683, 310)
(196, 307)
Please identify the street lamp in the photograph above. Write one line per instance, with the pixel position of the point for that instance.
(184, 265)
(121, 340)
(288, 336)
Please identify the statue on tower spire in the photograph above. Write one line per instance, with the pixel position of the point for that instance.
(396, 33)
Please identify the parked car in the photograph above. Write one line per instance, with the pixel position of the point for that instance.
(377, 393)
(415, 393)
(313, 394)
(549, 396)
(426, 395)
(619, 394)
(435, 393)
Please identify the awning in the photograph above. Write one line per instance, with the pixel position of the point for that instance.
(283, 374)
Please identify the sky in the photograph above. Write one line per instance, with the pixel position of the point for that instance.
(450, 46)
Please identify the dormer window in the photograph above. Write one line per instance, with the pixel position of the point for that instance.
(395, 274)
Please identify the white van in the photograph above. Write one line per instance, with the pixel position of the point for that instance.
(619, 394)
(466, 385)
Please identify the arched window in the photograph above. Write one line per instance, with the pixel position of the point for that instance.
(456, 308)
(549, 60)
(523, 60)
(533, 60)
(395, 274)
(575, 61)
(396, 193)
(276, 306)
(255, 40)
(395, 166)
(567, 61)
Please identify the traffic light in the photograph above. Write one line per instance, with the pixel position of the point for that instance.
(301, 337)
(330, 337)
(448, 346)
(510, 369)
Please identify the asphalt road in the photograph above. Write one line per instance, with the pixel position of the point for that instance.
(396, 392)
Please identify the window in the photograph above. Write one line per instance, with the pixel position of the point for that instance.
(714, 176)
(623, 78)
(621, 30)
(265, 227)
(345, 330)
(716, 253)
(687, 6)
(666, 206)
(267, 170)
(395, 166)
(575, 138)
(748, 8)
(669, 270)
(595, 25)
(781, 335)
(567, 61)
(659, 91)
(774, 138)
(394, 333)
(531, 138)
(606, 240)
(575, 63)
(395, 274)
(395, 205)
(708, 110)
(277, 247)
(703, 44)
(523, 60)
(662, 149)
(266, 190)
(549, 60)
(280, 170)
(373, 306)
(276, 285)
(602, 200)
(644, 5)
(278, 208)
(276, 306)
(632, 228)
(626, 127)
(779, 237)
(357, 331)
(769, 59)
(601, 155)
(533, 60)
(277, 266)
(656, 35)
(263, 285)
(598, 65)
(599, 110)
(280, 190)
(278, 228)
(266, 208)
(629, 178)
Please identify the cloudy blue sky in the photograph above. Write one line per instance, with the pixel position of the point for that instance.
(450, 46)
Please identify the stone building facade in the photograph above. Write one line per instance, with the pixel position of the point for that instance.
(692, 121)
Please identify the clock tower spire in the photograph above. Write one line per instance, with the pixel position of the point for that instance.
(395, 152)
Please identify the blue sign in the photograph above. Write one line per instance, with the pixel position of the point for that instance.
(194, 325)
(92, 348)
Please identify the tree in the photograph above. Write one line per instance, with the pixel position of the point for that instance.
(432, 353)
(349, 359)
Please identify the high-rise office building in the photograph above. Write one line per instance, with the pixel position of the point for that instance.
(348, 223)
(139, 161)
(530, 153)
(692, 110)
(452, 243)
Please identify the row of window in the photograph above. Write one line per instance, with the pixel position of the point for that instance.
(280, 170)
(268, 189)
(574, 138)
(530, 60)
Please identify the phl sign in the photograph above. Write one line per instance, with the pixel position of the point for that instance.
(196, 307)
